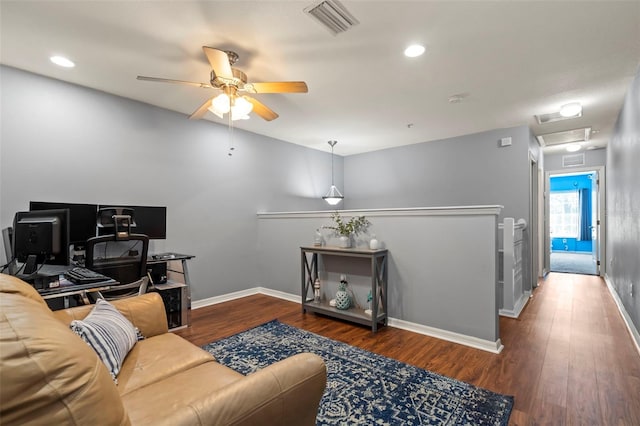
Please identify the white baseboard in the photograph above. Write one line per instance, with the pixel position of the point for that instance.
(244, 293)
(635, 336)
(474, 342)
(280, 294)
(462, 339)
(517, 310)
(223, 298)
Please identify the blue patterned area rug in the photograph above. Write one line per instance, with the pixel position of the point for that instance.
(364, 388)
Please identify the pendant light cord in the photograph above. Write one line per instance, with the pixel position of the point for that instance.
(331, 165)
(332, 143)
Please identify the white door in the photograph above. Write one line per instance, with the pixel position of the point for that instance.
(598, 230)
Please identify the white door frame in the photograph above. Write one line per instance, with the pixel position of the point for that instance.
(601, 213)
(534, 230)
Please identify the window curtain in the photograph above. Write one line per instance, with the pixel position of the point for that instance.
(584, 228)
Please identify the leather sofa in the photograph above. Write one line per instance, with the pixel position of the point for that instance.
(49, 375)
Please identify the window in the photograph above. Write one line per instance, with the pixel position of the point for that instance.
(564, 212)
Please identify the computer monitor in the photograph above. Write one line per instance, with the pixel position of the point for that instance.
(41, 237)
(82, 219)
(148, 220)
(151, 221)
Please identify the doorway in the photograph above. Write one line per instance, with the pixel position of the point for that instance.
(574, 212)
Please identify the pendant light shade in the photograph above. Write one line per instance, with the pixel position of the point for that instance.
(334, 196)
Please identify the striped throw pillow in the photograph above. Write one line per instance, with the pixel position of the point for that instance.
(109, 333)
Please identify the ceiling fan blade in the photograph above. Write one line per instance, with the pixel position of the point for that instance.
(261, 109)
(167, 80)
(201, 111)
(219, 61)
(277, 87)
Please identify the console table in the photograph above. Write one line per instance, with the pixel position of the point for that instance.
(309, 273)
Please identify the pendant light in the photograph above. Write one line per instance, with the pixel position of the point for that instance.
(334, 196)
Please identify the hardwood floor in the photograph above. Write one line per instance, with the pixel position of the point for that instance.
(568, 359)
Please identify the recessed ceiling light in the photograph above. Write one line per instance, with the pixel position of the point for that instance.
(62, 61)
(571, 110)
(573, 147)
(414, 50)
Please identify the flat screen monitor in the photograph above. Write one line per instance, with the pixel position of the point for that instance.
(82, 219)
(41, 237)
(148, 220)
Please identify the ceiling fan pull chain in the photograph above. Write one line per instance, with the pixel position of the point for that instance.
(231, 147)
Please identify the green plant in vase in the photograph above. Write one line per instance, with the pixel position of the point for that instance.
(346, 228)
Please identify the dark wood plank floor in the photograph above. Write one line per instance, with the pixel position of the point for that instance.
(568, 359)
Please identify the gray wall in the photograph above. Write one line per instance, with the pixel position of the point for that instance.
(62, 142)
(592, 158)
(442, 264)
(465, 170)
(623, 204)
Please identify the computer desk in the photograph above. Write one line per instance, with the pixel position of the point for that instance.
(68, 288)
(61, 287)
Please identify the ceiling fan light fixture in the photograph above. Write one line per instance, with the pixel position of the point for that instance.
(241, 109)
(220, 104)
(573, 109)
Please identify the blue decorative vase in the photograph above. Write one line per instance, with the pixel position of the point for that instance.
(343, 301)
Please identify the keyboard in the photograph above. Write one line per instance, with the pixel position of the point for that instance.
(81, 275)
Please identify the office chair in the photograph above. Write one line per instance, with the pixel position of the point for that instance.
(121, 256)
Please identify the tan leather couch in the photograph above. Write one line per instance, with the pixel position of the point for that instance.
(48, 375)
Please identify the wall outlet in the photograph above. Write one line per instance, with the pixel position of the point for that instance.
(631, 289)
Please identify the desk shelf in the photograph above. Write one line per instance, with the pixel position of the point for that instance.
(378, 262)
(176, 291)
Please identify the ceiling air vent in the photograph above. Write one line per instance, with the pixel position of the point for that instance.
(554, 116)
(570, 136)
(333, 15)
(573, 160)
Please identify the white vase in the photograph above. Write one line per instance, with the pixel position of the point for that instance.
(374, 244)
(344, 241)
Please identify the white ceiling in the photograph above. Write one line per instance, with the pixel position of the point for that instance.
(512, 59)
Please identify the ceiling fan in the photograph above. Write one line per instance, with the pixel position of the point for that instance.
(232, 82)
